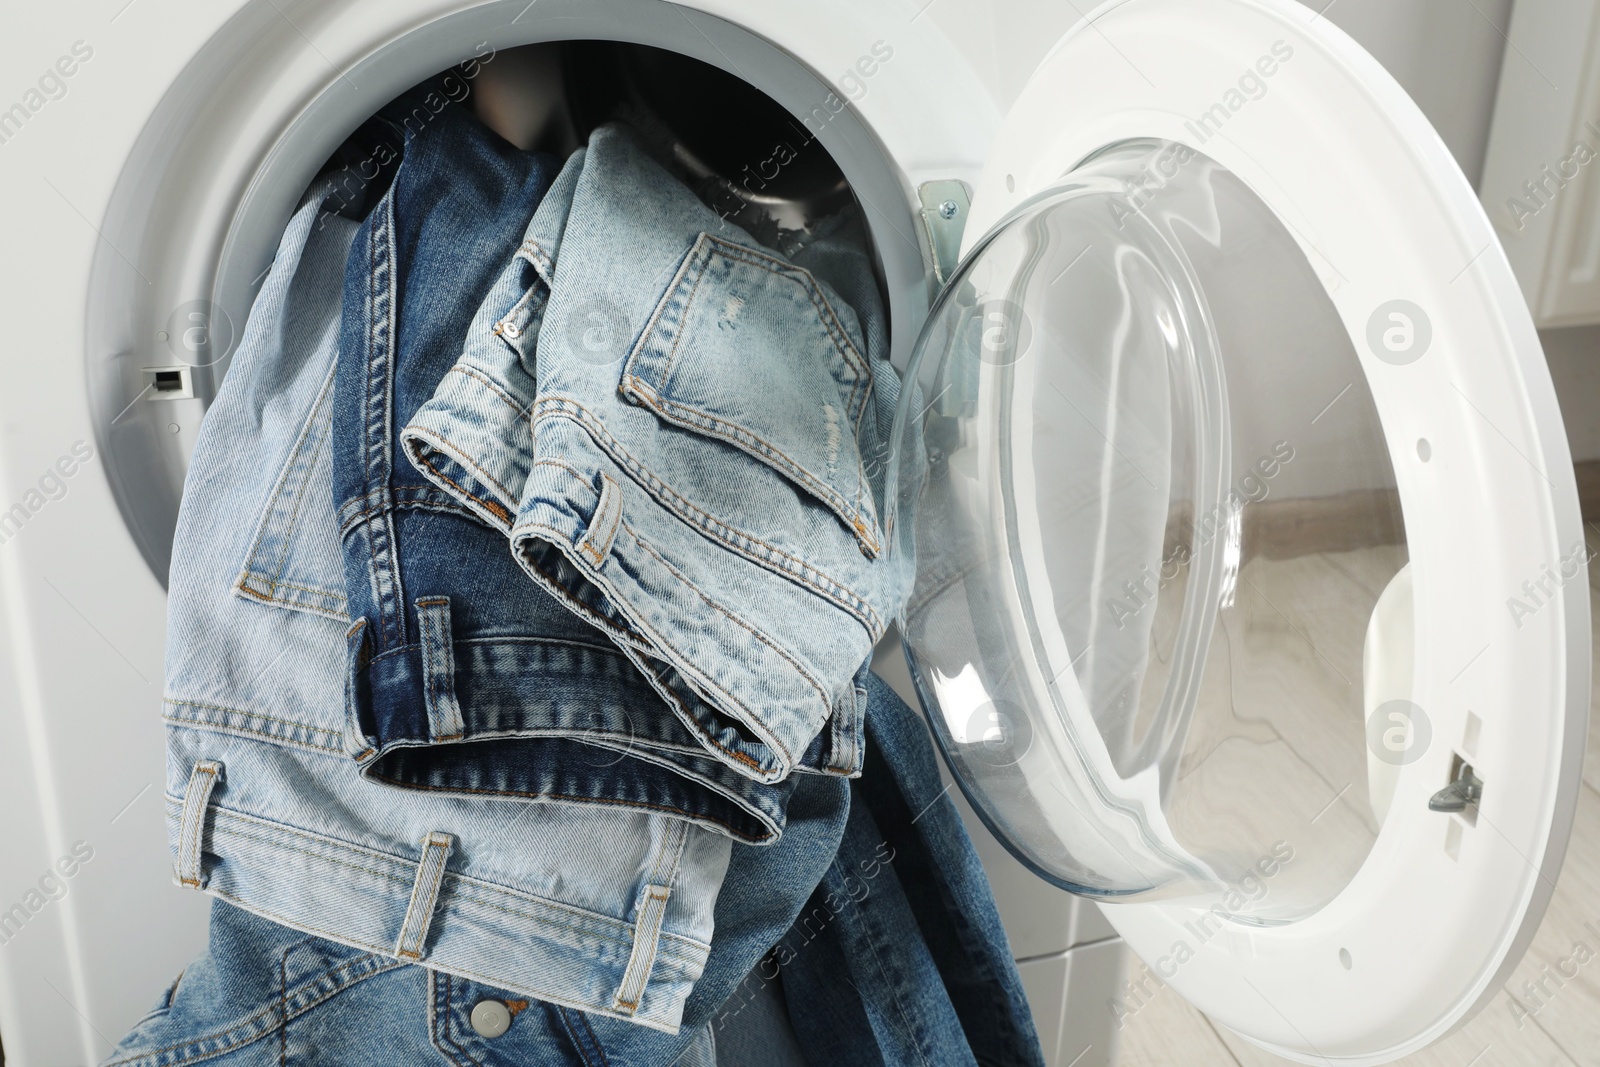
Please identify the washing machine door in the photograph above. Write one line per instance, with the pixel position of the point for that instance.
(1248, 587)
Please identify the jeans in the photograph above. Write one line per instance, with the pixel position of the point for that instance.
(699, 477)
(265, 994)
(606, 909)
(899, 957)
(463, 676)
(872, 912)
(387, 631)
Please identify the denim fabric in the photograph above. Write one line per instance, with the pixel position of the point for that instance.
(264, 995)
(763, 893)
(464, 676)
(607, 910)
(695, 479)
(899, 957)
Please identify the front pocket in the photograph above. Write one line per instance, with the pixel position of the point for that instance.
(294, 560)
(746, 348)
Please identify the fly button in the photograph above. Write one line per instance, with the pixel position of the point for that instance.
(491, 1018)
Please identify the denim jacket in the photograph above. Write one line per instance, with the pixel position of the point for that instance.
(701, 477)
(264, 995)
(605, 909)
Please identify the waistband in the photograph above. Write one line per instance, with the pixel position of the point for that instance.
(447, 896)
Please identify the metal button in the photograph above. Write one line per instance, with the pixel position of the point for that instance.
(491, 1018)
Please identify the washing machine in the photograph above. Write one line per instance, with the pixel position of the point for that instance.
(1243, 511)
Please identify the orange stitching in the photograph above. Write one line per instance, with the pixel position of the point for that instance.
(601, 523)
(273, 585)
(622, 633)
(494, 507)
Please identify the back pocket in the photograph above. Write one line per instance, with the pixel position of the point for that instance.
(747, 349)
(294, 559)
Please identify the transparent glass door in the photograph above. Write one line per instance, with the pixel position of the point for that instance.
(1152, 511)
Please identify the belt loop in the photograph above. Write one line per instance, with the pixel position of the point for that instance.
(603, 525)
(192, 826)
(846, 728)
(648, 916)
(357, 745)
(438, 670)
(424, 895)
(647, 919)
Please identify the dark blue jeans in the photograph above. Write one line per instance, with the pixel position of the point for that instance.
(898, 958)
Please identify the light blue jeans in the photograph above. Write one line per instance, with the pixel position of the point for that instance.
(604, 910)
(463, 676)
(701, 476)
(897, 959)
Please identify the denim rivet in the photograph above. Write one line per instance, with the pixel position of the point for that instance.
(491, 1018)
(512, 329)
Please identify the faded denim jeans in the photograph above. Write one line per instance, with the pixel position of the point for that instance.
(463, 676)
(606, 909)
(701, 475)
(896, 959)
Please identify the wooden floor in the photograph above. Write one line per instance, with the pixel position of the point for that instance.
(1515, 1030)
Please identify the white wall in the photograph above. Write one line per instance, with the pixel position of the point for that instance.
(1574, 357)
(1446, 53)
